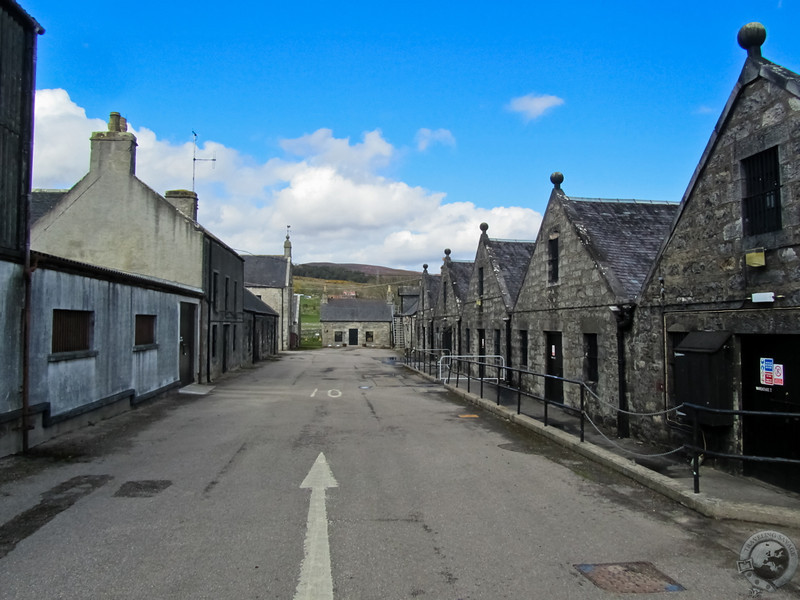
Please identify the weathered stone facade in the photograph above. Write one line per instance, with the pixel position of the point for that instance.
(370, 334)
(449, 333)
(491, 294)
(580, 291)
(430, 286)
(702, 281)
(355, 322)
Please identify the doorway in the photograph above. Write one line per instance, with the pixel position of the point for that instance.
(186, 343)
(352, 337)
(226, 334)
(554, 365)
(770, 383)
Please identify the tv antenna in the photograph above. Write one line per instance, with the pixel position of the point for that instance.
(195, 159)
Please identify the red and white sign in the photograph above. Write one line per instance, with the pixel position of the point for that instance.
(777, 375)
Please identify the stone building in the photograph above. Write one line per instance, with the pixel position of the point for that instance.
(572, 316)
(260, 328)
(719, 317)
(448, 333)
(430, 288)
(405, 316)
(497, 274)
(269, 277)
(355, 322)
(112, 219)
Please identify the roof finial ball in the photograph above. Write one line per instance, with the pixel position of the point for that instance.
(751, 37)
(557, 179)
(484, 227)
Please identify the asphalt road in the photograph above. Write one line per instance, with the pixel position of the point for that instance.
(200, 497)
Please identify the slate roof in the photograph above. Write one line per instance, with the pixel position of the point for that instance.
(433, 285)
(409, 300)
(411, 306)
(355, 310)
(460, 274)
(265, 271)
(43, 201)
(623, 236)
(254, 304)
(510, 261)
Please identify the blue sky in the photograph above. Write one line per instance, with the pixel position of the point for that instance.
(385, 132)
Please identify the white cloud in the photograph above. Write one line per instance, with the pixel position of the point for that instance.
(330, 190)
(426, 137)
(533, 106)
(61, 140)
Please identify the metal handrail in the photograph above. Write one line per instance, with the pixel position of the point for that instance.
(427, 356)
(448, 358)
(520, 392)
(694, 410)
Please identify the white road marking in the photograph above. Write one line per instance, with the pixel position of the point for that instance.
(316, 579)
(334, 393)
(314, 393)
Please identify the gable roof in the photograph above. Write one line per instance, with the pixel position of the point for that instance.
(355, 310)
(431, 286)
(622, 236)
(265, 270)
(510, 261)
(460, 274)
(756, 67)
(254, 304)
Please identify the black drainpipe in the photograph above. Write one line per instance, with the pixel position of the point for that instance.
(210, 291)
(624, 317)
(26, 333)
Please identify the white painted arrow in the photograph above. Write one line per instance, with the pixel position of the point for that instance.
(316, 580)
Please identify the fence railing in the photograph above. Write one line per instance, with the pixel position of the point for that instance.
(515, 383)
(446, 364)
(425, 359)
(693, 412)
(475, 370)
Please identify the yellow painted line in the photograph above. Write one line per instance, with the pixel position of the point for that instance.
(468, 416)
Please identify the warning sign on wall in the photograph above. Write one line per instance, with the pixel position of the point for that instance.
(771, 374)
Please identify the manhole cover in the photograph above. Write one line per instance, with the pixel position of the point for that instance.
(142, 489)
(629, 578)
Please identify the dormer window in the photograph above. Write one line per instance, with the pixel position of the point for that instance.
(761, 206)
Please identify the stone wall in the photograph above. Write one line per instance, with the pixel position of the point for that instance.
(702, 281)
(381, 333)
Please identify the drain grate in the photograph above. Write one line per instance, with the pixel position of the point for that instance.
(142, 489)
(629, 578)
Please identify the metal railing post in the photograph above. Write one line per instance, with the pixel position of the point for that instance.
(582, 412)
(498, 384)
(696, 453)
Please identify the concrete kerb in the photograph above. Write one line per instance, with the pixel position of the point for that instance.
(715, 508)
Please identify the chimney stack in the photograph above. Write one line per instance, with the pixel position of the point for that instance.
(113, 151)
(185, 201)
